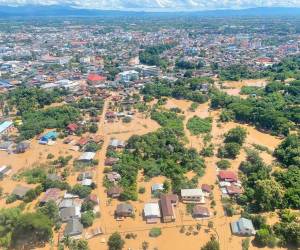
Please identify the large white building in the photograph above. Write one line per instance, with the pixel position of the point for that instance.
(128, 76)
(192, 195)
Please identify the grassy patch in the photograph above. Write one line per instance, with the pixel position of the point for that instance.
(197, 125)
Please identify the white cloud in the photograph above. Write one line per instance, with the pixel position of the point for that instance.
(160, 4)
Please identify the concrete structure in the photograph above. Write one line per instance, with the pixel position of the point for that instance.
(128, 76)
(192, 195)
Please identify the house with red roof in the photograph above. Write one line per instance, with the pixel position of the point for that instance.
(95, 79)
(72, 128)
(233, 190)
(82, 141)
(229, 176)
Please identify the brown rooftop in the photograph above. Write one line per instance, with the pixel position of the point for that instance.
(166, 203)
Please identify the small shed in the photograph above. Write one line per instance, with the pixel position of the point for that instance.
(243, 227)
(157, 187)
(20, 191)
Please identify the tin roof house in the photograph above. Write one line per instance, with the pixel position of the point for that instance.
(242, 227)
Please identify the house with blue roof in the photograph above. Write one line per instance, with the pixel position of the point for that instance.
(157, 187)
(5, 84)
(5, 127)
(52, 135)
(243, 227)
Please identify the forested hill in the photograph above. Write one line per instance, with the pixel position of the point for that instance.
(65, 10)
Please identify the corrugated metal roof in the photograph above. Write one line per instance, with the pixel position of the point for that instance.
(5, 125)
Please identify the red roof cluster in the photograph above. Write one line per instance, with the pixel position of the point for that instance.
(72, 127)
(96, 78)
(232, 190)
(264, 60)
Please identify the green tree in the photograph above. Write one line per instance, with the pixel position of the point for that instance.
(213, 244)
(51, 210)
(236, 135)
(81, 191)
(87, 218)
(268, 195)
(264, 237)
(32, 228)
(115, 242)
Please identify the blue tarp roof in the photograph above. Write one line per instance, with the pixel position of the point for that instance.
(49, 135)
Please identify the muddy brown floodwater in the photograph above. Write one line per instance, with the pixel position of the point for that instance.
(171, 237)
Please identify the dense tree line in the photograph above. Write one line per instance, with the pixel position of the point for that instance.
(189, 89)
(151, 55)
(288, 68)
(159, 153)
(29, 99)
(26, 229)
(57, 117)
(265, 191)
(237, 72)
(275, 110)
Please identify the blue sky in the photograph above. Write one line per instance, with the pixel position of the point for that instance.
(161, 4)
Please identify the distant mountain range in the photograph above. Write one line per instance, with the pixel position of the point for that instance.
(68, 11)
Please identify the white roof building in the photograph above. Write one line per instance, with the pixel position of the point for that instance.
(194, 195)
(152, 210)
(87, 156)
(195, 192)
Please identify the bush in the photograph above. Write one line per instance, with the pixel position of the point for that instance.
(11, 198)
(87, 218)
(226, 116)
(93, 128)
(50, 156)
(81, 191)
(207, 151)
(142, 190)
(213, 244)
(92, 147)
(127, 119)
(223, 164)
(264, 237)
(194, 106)
(245, 244)
(155, 232)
